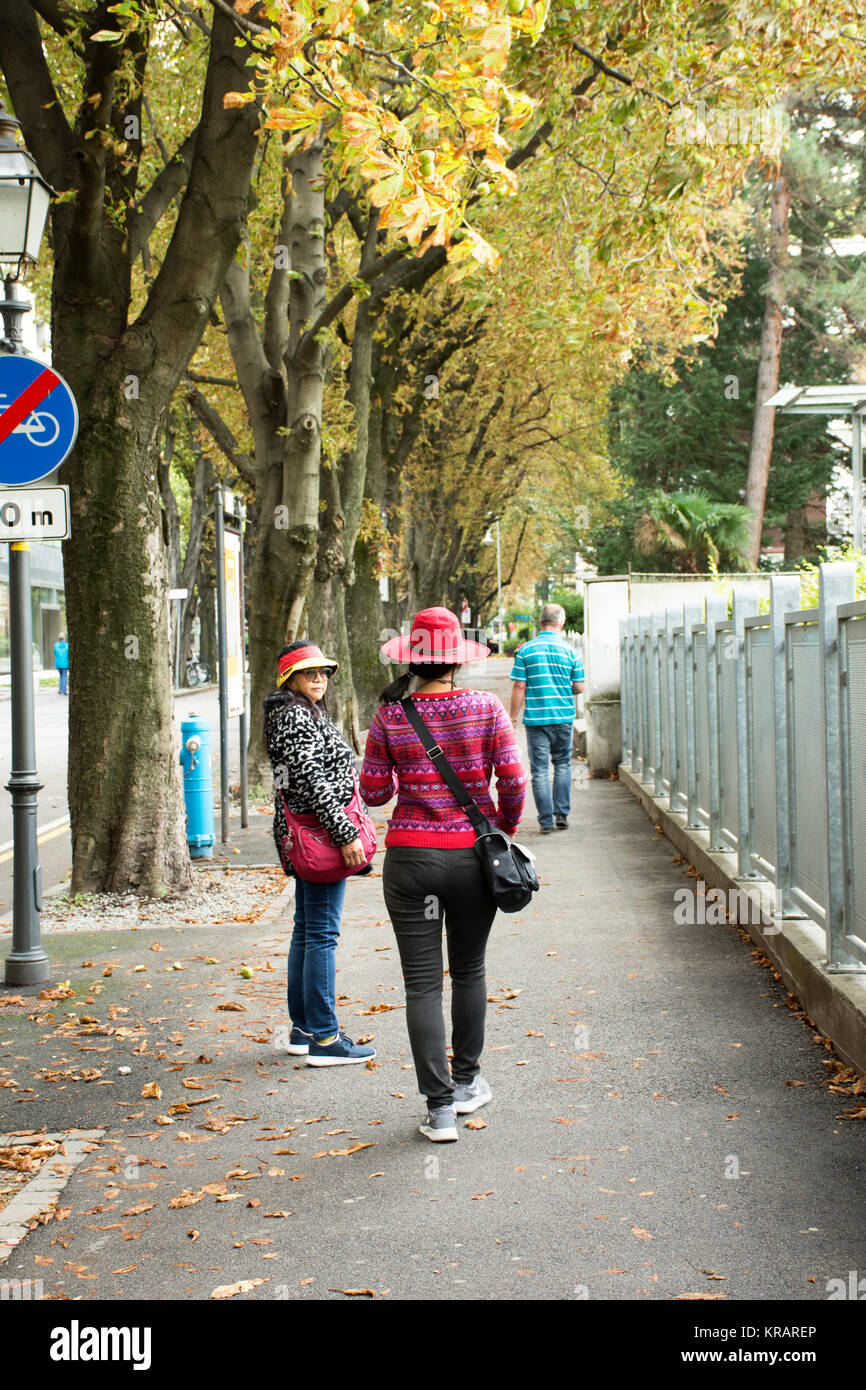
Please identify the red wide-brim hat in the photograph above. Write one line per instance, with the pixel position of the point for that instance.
(436, 638)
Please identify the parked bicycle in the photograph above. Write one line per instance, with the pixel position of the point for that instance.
(197, 672)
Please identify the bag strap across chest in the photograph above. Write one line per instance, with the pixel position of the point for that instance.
(480, 823)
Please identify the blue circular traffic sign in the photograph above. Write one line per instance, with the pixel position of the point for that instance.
(38, 420)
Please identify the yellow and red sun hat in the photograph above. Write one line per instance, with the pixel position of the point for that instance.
(303, 659)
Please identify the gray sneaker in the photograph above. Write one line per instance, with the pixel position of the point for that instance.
(440, 1124)
(472, 1096)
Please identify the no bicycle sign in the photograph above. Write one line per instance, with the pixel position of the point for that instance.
(38, 420)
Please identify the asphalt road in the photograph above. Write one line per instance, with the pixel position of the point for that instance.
(55, 850)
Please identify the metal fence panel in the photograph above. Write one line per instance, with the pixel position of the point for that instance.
(808, 811)
(679, 770)
(762, 750)
(664, 728)
(702, 730)
(853, 646)
(729, 737)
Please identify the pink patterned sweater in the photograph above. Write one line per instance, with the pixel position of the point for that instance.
(477, 737)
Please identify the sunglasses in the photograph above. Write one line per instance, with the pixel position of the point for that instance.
(312, 673)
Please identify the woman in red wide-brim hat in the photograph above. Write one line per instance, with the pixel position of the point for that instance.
(432, 875)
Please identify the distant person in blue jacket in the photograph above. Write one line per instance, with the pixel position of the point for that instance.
(61, 662)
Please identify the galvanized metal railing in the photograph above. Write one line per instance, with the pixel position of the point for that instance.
(753, 727)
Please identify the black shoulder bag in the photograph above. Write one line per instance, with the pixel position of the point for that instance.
(507, 867)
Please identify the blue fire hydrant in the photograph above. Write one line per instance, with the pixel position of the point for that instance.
(197, 786)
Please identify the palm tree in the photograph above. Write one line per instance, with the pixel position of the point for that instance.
(693, 532)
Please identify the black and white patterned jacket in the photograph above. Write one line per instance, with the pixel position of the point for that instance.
(313, 768)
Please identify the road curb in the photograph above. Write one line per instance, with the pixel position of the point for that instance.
(45, 1187)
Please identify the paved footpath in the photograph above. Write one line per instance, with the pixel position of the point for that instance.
(646, 1138)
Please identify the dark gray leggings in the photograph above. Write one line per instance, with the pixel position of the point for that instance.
(423, 886)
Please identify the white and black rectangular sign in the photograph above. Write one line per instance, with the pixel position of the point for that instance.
(34, 513)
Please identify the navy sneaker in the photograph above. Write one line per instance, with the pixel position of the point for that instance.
(299, 1042)
(340, 1053)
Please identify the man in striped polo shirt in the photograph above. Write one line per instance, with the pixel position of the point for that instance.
(547, 673)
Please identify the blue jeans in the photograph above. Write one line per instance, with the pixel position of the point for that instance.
(63, 673)
(546, 741)
(312, 982)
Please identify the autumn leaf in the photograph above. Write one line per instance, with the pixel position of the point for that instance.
(476, 1124)
(185, 1199)
(641, 1233)
(242, 1286)
(151, 1091)
(139, 1210)
(355, 1293)
(480, 1196)
(230, 1007)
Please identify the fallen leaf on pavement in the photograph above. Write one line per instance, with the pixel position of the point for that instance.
(480, 1196)
(225, 1008)
(355, 1293)
(151, 1091)
(641, 1233)
(476, 1124)
(137, 1211)
(185, 1199)
(242, 1286)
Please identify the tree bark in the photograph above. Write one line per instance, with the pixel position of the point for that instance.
(125, 789)
(768, 368)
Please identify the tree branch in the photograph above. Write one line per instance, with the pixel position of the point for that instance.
(337, 304)
(222, 436)
(620, 76)
(210, 222)
(165, 187)
(34, 96)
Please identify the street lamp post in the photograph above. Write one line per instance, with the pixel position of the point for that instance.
(488, 540)
(24, 197)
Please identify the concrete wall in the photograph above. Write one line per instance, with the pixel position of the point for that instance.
(606, 602)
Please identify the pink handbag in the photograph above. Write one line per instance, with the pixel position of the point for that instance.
(308, 848)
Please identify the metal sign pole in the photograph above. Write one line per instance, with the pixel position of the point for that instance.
(221, 663)
(27, 962)
(857, 469)
(242, 718)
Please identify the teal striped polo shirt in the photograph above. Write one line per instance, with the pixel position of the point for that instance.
(550, 667)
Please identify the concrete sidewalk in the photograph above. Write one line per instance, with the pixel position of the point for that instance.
(644, 1141)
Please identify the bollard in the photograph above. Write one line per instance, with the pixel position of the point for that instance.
(197, 786)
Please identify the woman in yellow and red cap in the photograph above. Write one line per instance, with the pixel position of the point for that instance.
(432, 876)
(314, 769)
